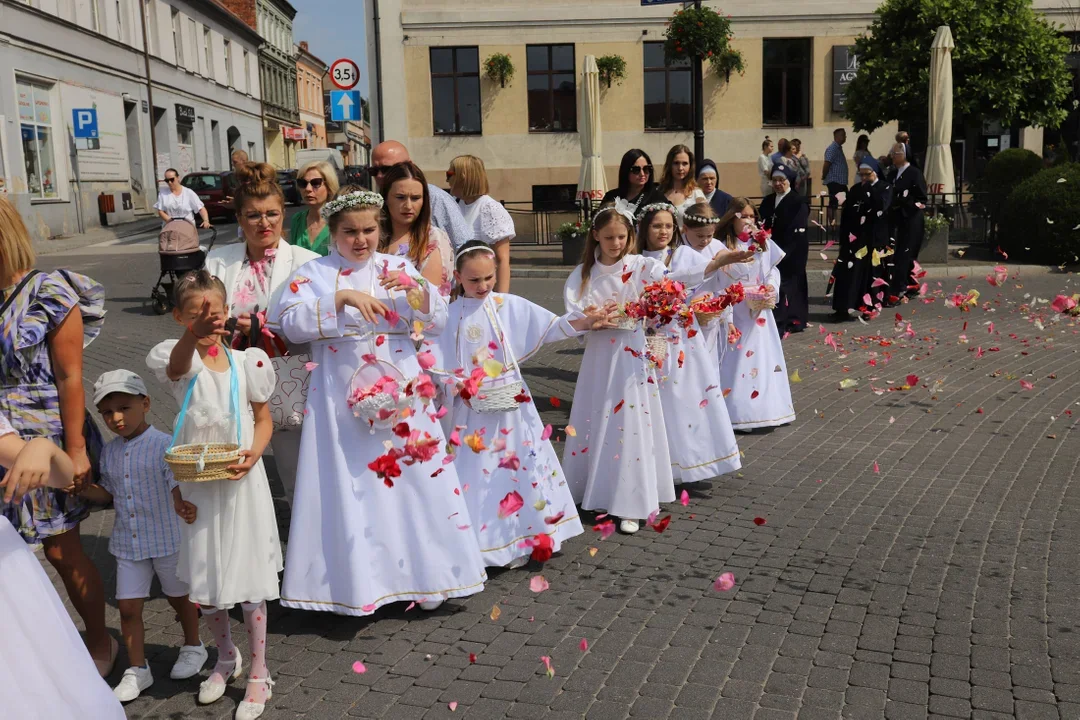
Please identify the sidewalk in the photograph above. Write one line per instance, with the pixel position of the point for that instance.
(97, 235)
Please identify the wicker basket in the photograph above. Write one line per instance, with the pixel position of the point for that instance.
(379, 411)
(202, 462)
(704, 318)
(498, 398)
(758, 300)
(657, 346)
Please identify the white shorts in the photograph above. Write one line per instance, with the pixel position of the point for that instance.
(133, 577)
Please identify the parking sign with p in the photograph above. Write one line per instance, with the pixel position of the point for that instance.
(85, 122)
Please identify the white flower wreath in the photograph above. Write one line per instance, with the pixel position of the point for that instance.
(362, 198)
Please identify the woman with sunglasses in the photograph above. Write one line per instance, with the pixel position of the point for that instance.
(176, 202)
(636, 183)
(317, 183)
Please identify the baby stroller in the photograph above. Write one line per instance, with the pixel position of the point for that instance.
(180, 253)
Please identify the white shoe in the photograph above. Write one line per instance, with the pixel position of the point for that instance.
(135, 680)
(629, 526)
(518, 562)
(210, 691)
(430, 605)
(189, 662)
(249, 710)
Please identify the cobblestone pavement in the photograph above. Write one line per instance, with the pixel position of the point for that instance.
(918, 555)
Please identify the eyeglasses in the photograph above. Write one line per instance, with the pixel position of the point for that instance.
(315, 183)
(641, 170)
(170, 180)
(271, 217)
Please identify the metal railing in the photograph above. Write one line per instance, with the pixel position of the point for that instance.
(968, 222)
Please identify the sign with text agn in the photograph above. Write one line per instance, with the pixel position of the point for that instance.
(84, 122)
(845, 68)
(344, 105)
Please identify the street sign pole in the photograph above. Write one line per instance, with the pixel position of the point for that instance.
(699, 106)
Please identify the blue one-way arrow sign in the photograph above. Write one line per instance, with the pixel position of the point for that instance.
(344, 105)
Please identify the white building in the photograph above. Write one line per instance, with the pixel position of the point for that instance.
(60, 56)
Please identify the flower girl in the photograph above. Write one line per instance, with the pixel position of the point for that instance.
(379, 514)
(230, 554)
(517, 496)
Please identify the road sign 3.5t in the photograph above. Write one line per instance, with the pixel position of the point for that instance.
(344, 74)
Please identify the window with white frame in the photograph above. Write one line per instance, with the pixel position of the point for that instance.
(177, 38)
(35, 124)
(193, 38)
(247, 73)
(208, 48)
(228, 64)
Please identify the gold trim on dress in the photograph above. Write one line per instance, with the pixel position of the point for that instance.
(693, 467)
(756, 422)
(376, 601)
(523, 537)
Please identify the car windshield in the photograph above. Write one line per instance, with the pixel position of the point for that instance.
(202, 182)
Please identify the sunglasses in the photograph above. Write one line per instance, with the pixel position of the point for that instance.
(449, 175)
(315, 183)
(170, 180)
(377, 170)
(641, 170)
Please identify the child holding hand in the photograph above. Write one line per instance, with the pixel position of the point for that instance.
(146, 532)
(230, 554)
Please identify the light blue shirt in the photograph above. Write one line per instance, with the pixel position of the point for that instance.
(838, 170)
(141, 483)
(446, 216)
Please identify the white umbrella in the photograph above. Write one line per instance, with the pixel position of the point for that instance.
(591, 181)
(939, 165)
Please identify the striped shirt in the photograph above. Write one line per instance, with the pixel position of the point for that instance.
(134, 471)
(838, 170)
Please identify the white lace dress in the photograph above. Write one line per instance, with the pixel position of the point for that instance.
(46, 669)
(489, 220)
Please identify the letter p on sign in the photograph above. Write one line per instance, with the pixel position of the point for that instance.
(85, 122)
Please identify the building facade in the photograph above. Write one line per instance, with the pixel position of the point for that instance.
(430, 92)
(310, 72)
(67, 61)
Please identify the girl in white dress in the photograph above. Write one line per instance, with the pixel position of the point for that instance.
(752, 369)
(517, 461)
(47, 670)
(231, 553)
(700, 439)
(379, 516)
(618, 459)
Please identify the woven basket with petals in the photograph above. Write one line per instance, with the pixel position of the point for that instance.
(759, 300)
(202, 462)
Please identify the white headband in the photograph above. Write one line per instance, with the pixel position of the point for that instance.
(475, 248)
(621, 206)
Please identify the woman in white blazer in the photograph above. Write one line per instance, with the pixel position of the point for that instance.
(255, 272)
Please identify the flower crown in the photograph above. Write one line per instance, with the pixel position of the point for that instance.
(361, 198)
(700, 219)
(652, 207)
(621, 206)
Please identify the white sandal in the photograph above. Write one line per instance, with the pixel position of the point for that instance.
(249, 710)
(210, 691)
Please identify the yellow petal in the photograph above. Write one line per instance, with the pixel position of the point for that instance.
(795, 376)
(848, 383)
(571, 431)
(415, 296)
(493, 368)
(875, 259)
(593, 551)
(540, 504)
(495, 613)
(861, 252)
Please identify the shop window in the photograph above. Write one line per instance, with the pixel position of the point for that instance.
(669, 91)
(785, 86)
(35, 123)
(552, 93)
(455, 90)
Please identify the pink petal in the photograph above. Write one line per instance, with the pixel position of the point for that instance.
(452, 705)
(684, 498)
(547, 433)
(426, 360)
(584, 645)
(358, 668)
(725, 582)
(538, 584)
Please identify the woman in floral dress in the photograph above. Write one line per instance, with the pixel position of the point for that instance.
(41, 345)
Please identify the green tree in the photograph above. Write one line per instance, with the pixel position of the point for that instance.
(1008, 64)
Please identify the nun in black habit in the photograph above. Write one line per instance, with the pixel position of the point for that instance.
(786, 214)
(864, 246)
(906, 221)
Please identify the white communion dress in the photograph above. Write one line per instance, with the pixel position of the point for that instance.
(356, 544)
(699, 434)
(231, 553)
(715, 331)
(516, 456)
(618, 460)
(753, 369)
(46, 669)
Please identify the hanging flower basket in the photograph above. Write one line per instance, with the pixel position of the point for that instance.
(499, 68)
(703, 33)
(612, 68)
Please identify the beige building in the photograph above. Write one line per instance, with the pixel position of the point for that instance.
(309, 82)
(436, 100)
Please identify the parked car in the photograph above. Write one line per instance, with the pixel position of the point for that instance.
(287, 180)
(214, 189)
(357, 175)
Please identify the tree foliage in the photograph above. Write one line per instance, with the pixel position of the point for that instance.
(1042, 215)
(1008, 64)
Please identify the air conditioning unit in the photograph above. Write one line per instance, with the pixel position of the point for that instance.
(116, 208)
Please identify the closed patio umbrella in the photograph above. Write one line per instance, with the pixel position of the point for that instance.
(592, 184)
(939, 163)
